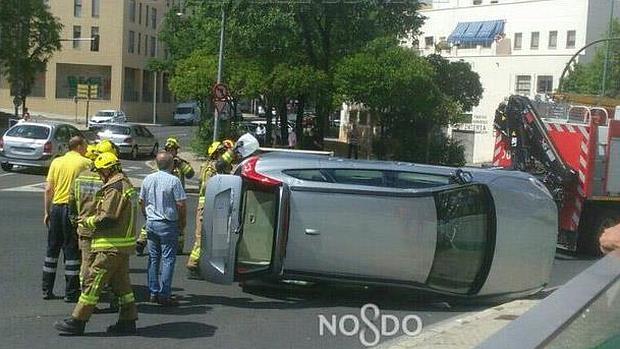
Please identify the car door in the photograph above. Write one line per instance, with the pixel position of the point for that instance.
(244, 229)
(61, 139)
(364, 229)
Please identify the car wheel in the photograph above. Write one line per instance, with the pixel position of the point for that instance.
(134, 153)
(155, 149)
(599, 220)
(6, 166)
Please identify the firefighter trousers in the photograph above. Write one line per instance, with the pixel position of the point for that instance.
(85, 249)
(62, 235)
(107, 268)
(194, 256)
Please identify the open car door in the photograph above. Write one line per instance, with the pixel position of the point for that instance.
(220, 229)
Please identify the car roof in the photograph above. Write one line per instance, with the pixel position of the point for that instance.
(50, 123)
(108, 110)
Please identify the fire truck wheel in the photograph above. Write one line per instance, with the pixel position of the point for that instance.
(603, 219)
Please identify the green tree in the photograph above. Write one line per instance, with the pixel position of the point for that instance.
(29, 36)
(316, 34)
(587, 78)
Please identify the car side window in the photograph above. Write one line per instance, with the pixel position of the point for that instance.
(146, 132)
(137, 131)
(307, 175)
(414, 180)
(62, 134)
(74, 132)
(465, 239)
(375, 178)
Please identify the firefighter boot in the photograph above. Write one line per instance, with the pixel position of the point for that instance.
(123, 327)
(71, 326)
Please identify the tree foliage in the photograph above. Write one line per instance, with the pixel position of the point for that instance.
(587, 78)
(29, 35)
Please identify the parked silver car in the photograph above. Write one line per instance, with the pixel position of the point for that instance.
(34, 144)
(132, 139)
(107, 116)
(461, 232)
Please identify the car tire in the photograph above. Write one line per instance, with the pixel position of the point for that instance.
(6, 166)
(599, 219)
(155, 150)
(134, 153)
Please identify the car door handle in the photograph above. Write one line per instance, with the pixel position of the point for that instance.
(312, 232)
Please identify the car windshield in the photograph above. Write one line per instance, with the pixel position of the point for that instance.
(120, 130)
(185, 110)
(29, 131)
(105, 113)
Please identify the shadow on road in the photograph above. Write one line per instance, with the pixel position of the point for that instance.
(174, 330)
(183, 308)
(37, 171)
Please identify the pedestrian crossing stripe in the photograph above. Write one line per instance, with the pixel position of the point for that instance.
(36, 188)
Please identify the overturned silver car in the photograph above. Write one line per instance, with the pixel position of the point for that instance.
(462, 232)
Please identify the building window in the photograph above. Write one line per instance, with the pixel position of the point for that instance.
(131, 87)
(132, 41)
(523, 85)
(154, 18)
(153, 46)
(477, 2)
(140, 13)
(146, 16)
(132, 10)
(77, 8)
(146, 45)
(429, 42)
(95, 8)
(544, 84)
(77, 33)
(94, 35)
(139, 42)
(553, 39)
(571, 36)
(518, 41)
(535, 41)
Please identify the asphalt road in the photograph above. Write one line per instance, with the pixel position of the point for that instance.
(209, 315)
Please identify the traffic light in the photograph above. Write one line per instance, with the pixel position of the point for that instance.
(94, 43)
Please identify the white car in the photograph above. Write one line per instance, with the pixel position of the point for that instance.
(187, 114)
(107, 116)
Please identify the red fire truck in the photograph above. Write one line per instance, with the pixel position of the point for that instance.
(575, 151)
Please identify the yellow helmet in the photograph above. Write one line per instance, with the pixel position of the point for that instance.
(91, 152)
(213, 148)
(106, 160)
(106, 146)
(171, 143)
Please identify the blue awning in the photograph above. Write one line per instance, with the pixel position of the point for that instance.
(477, 33)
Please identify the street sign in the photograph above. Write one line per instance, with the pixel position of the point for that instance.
(220, 92)
(82, 91)
(94, 91)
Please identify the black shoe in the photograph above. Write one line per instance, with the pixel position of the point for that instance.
(168, 302)
(71, 299)
(48, 295)
(153, 299)
(193, 274)
(123, 327)
(71, 326)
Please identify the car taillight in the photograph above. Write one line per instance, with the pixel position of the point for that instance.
(128, 140)
(248, 171)
(1, 144)
(47, 148)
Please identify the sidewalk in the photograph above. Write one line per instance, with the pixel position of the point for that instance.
(466, 332)
(69, 119)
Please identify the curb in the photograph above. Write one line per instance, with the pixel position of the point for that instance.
(463, 332)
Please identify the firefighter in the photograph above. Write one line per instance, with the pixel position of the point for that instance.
(181, 169)
(113, 226)
(216, 151)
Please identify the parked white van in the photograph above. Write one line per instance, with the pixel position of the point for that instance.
(187, 113)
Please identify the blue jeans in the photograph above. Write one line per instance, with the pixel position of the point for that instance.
(162, 246)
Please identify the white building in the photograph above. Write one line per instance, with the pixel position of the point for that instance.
(516, 46)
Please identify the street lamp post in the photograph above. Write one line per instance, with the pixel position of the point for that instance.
(155, 86)
(220, 63)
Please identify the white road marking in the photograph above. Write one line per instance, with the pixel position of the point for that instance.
(37, 188)
(6, 174)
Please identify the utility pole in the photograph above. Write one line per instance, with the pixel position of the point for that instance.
(607, 53)
(219, 70)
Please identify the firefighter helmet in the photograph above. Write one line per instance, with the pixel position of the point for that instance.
(91, 152)
(106, 161)
(106, 146)
(213, 148)
(171, 143)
